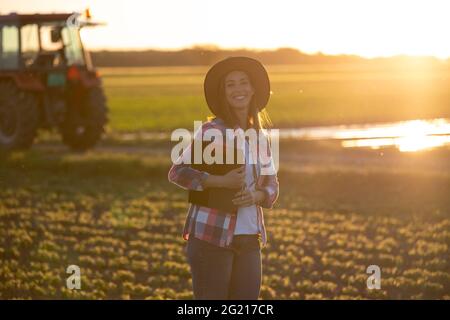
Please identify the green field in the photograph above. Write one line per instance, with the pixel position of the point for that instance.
(112, 211)
(164, 98)
(114, 214)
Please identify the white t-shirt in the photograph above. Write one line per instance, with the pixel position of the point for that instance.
(247, 219)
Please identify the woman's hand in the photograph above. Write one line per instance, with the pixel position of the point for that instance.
(233, 179)
(248, 198)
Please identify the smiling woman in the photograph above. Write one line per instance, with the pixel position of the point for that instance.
(242, 96)
(225, 232)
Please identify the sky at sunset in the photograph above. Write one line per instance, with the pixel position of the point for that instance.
(363, 27)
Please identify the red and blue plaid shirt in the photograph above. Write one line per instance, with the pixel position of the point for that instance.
(209, 224)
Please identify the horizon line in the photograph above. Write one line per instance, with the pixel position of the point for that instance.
(212, 47)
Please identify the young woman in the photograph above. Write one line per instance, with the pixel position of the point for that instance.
(224, 248)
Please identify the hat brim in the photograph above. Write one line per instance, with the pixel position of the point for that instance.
(254, 69)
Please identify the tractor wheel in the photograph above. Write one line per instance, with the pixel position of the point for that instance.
(84, 124)
(19, 117)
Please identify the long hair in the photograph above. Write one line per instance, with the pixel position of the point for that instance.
(256, 119)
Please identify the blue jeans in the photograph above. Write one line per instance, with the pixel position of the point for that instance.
(226, 273)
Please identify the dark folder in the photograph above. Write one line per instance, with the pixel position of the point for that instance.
(217, 198)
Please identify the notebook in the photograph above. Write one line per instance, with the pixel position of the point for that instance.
(217, 198)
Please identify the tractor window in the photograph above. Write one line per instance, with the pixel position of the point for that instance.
(72, 45)
(9, 47)
(52, 54)
(46, 39)
(30, 44)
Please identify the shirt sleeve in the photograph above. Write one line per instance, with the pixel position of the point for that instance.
(269, 184)
(270, 187)
(182, 174)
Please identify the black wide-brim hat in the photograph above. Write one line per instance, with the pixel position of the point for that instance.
(253, 68)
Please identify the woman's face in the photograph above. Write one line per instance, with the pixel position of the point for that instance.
(238, 90)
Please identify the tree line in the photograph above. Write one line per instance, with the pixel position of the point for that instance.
(207, 56)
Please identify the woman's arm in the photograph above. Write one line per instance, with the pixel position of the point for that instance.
(266, 190)
(270, 185)
(186, 177)
(183, 175)
(212, 181)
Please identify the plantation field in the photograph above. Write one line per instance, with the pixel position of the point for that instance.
(164, 98)
(112, 212)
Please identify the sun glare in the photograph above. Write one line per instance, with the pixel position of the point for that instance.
(408, 136)
(366, 28)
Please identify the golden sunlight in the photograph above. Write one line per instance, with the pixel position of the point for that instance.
(366, 28)
(408, 136)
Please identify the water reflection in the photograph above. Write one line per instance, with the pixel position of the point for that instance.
(407, 136)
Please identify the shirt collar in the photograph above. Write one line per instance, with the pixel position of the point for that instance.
(222, 122)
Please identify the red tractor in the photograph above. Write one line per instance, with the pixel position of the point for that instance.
(47, 81)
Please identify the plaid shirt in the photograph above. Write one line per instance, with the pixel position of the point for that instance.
(210, 224)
